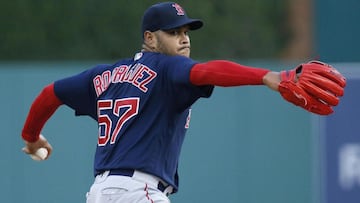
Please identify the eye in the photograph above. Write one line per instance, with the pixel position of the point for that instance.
(177, 32)
(173, 32)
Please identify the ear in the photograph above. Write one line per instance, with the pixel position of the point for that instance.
(150, 39)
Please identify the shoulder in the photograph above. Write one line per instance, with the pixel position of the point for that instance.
(177, 59)
(162, 60)
(100, 68)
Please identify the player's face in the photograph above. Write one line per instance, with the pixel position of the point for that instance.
(173, 42)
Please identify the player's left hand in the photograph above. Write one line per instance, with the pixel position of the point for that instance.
(32, 147)
(314, 86)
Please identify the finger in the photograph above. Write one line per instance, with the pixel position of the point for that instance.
(49, 148)
(41, 137)
(26, 150)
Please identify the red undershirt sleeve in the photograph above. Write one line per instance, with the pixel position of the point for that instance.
(40, 111)
(226, 73)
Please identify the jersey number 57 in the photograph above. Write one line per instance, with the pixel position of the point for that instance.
(122, 110)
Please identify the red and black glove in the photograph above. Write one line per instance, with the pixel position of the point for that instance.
(314, 86)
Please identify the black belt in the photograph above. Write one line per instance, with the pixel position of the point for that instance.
(130, 172)
(122, 172)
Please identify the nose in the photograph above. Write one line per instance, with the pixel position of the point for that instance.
(184, 39)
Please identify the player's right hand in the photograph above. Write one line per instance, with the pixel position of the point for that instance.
(314, 86)
(32, 147)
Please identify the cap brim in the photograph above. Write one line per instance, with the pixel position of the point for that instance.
(193, 24)
(196, 24)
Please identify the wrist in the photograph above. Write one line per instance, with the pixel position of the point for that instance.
(272, 80)
(29, 137)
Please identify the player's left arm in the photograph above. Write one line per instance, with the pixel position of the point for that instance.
(43, 107)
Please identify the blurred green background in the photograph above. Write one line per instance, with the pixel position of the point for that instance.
(246, 29)
(244, 144)
(92, 29)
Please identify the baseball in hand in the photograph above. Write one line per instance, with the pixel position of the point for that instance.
(40, 154)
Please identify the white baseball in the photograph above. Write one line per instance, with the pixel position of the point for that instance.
(40, 154)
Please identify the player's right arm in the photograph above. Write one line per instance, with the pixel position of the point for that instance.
(226, 73)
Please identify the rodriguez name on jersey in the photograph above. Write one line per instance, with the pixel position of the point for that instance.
(138, 75)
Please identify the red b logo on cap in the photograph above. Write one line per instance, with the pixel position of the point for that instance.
(180, 11)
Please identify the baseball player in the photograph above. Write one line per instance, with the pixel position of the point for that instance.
(143, 107)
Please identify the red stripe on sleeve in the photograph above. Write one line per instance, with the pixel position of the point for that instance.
(226, 73)
(40, 111)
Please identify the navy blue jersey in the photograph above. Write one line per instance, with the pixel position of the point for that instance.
(142, 106)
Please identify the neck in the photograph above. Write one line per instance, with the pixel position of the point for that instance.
(145, 47)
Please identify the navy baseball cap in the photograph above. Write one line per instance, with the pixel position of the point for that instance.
(167, 16)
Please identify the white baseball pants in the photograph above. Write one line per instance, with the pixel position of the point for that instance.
(141, 188)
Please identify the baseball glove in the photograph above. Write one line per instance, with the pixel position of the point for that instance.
(314, 86)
